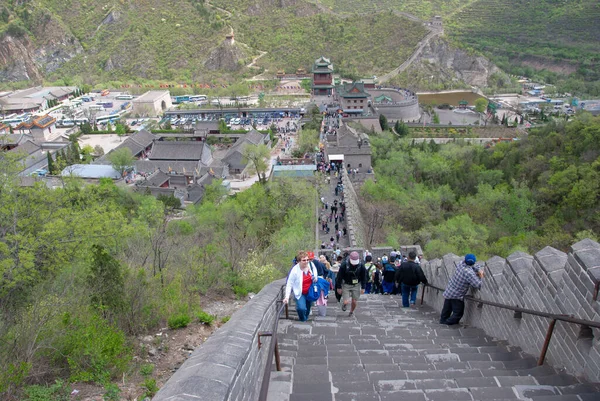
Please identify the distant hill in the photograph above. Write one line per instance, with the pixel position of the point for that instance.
(174, 40)
(96, 41)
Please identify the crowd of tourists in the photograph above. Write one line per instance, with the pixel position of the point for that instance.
(349, 275)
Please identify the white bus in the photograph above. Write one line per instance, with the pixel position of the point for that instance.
(197, 98)
(124, 97)
(112, 118)
(13, 122)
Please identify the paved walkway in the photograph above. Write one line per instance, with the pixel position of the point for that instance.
(386, 352)
(329, 195)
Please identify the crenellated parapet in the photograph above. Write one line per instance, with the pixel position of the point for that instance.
(550, 281)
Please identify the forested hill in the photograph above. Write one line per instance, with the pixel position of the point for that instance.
(154, 39)
(177, 40)
(542, 190)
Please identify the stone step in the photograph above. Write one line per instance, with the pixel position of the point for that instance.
(389, 353)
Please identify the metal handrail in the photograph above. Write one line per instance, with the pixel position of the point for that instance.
(273, 348)
(553, 316)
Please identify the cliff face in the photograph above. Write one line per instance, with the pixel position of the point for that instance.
(226, 57)
(22, 58)
(455, 64)
(17, 61)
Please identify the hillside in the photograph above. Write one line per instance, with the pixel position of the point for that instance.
(176, 40)
(88, 41)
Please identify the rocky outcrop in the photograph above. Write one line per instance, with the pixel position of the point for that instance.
(226, 57)
(55, 45)
(17, 61)
(23, 58)
(455, 64)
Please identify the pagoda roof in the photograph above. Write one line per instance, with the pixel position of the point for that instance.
(352, 90)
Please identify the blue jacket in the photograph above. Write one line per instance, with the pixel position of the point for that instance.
(323, 285)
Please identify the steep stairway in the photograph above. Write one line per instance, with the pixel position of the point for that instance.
(386, 352)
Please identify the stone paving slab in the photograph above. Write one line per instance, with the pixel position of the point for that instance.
(386, 352)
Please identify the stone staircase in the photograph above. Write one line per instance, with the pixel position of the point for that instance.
(386, 352)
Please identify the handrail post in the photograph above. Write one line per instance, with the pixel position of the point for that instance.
(423, 293)
(546, 342)
(277, 360)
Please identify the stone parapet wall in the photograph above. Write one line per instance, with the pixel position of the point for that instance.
(229, 365)
(550, 281)
(354, 221)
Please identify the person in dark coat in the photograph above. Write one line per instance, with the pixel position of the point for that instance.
(408, 276)
(351, 281)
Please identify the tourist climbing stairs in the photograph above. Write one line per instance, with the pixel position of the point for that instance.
(386, 352)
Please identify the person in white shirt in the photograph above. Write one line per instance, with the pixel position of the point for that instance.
(302, 275)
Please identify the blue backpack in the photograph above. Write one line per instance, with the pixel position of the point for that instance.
(314, 292)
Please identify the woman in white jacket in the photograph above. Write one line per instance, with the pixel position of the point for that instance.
(302, 275)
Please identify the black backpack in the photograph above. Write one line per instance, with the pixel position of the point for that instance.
(352, 273)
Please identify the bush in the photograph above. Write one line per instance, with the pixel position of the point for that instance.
(225, 319)
(205, 318)
(94, 350)
(146, 369)
(150, 388)
(112, 392)
(59, 391)
(178, 321)
(240, 291)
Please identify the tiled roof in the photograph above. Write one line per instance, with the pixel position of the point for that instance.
(352, 90)
(155, 180)
(177, 151)
(149, 166)
(39, 122)
(27, 148)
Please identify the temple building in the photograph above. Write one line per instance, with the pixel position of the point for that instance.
(322, 77)
(352, 97)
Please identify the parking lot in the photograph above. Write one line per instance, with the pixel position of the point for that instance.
(93, 107)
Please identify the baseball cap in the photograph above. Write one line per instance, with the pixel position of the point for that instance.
(311, 255)
(470, 259)
(354, 258)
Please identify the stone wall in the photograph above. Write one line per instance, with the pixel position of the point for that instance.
(229, 365)
(355, 223)
(550, 281)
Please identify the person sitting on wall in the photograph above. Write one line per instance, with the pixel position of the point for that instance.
(468, 274)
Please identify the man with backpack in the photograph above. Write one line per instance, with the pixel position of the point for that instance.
(351, 281)
(389, 275)
(408, 277)
(371, 269)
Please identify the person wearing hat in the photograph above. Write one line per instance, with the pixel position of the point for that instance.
(468, 274)
(351, 281)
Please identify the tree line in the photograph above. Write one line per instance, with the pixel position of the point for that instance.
(85, 268)
(541, 190)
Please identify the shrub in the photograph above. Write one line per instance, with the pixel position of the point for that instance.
(59, 391)
(178, 321)
(94, 349)
(225, 319)
(146, 369)
(112, 392)
(205, 318)
(150, 388)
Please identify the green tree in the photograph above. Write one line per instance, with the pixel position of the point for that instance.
(401, 128)
(481, 105)
(50, 162)
(436, 118)
(105, 282)
(258, 156)
(121, 159)
(383, 122)
(120, 130)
